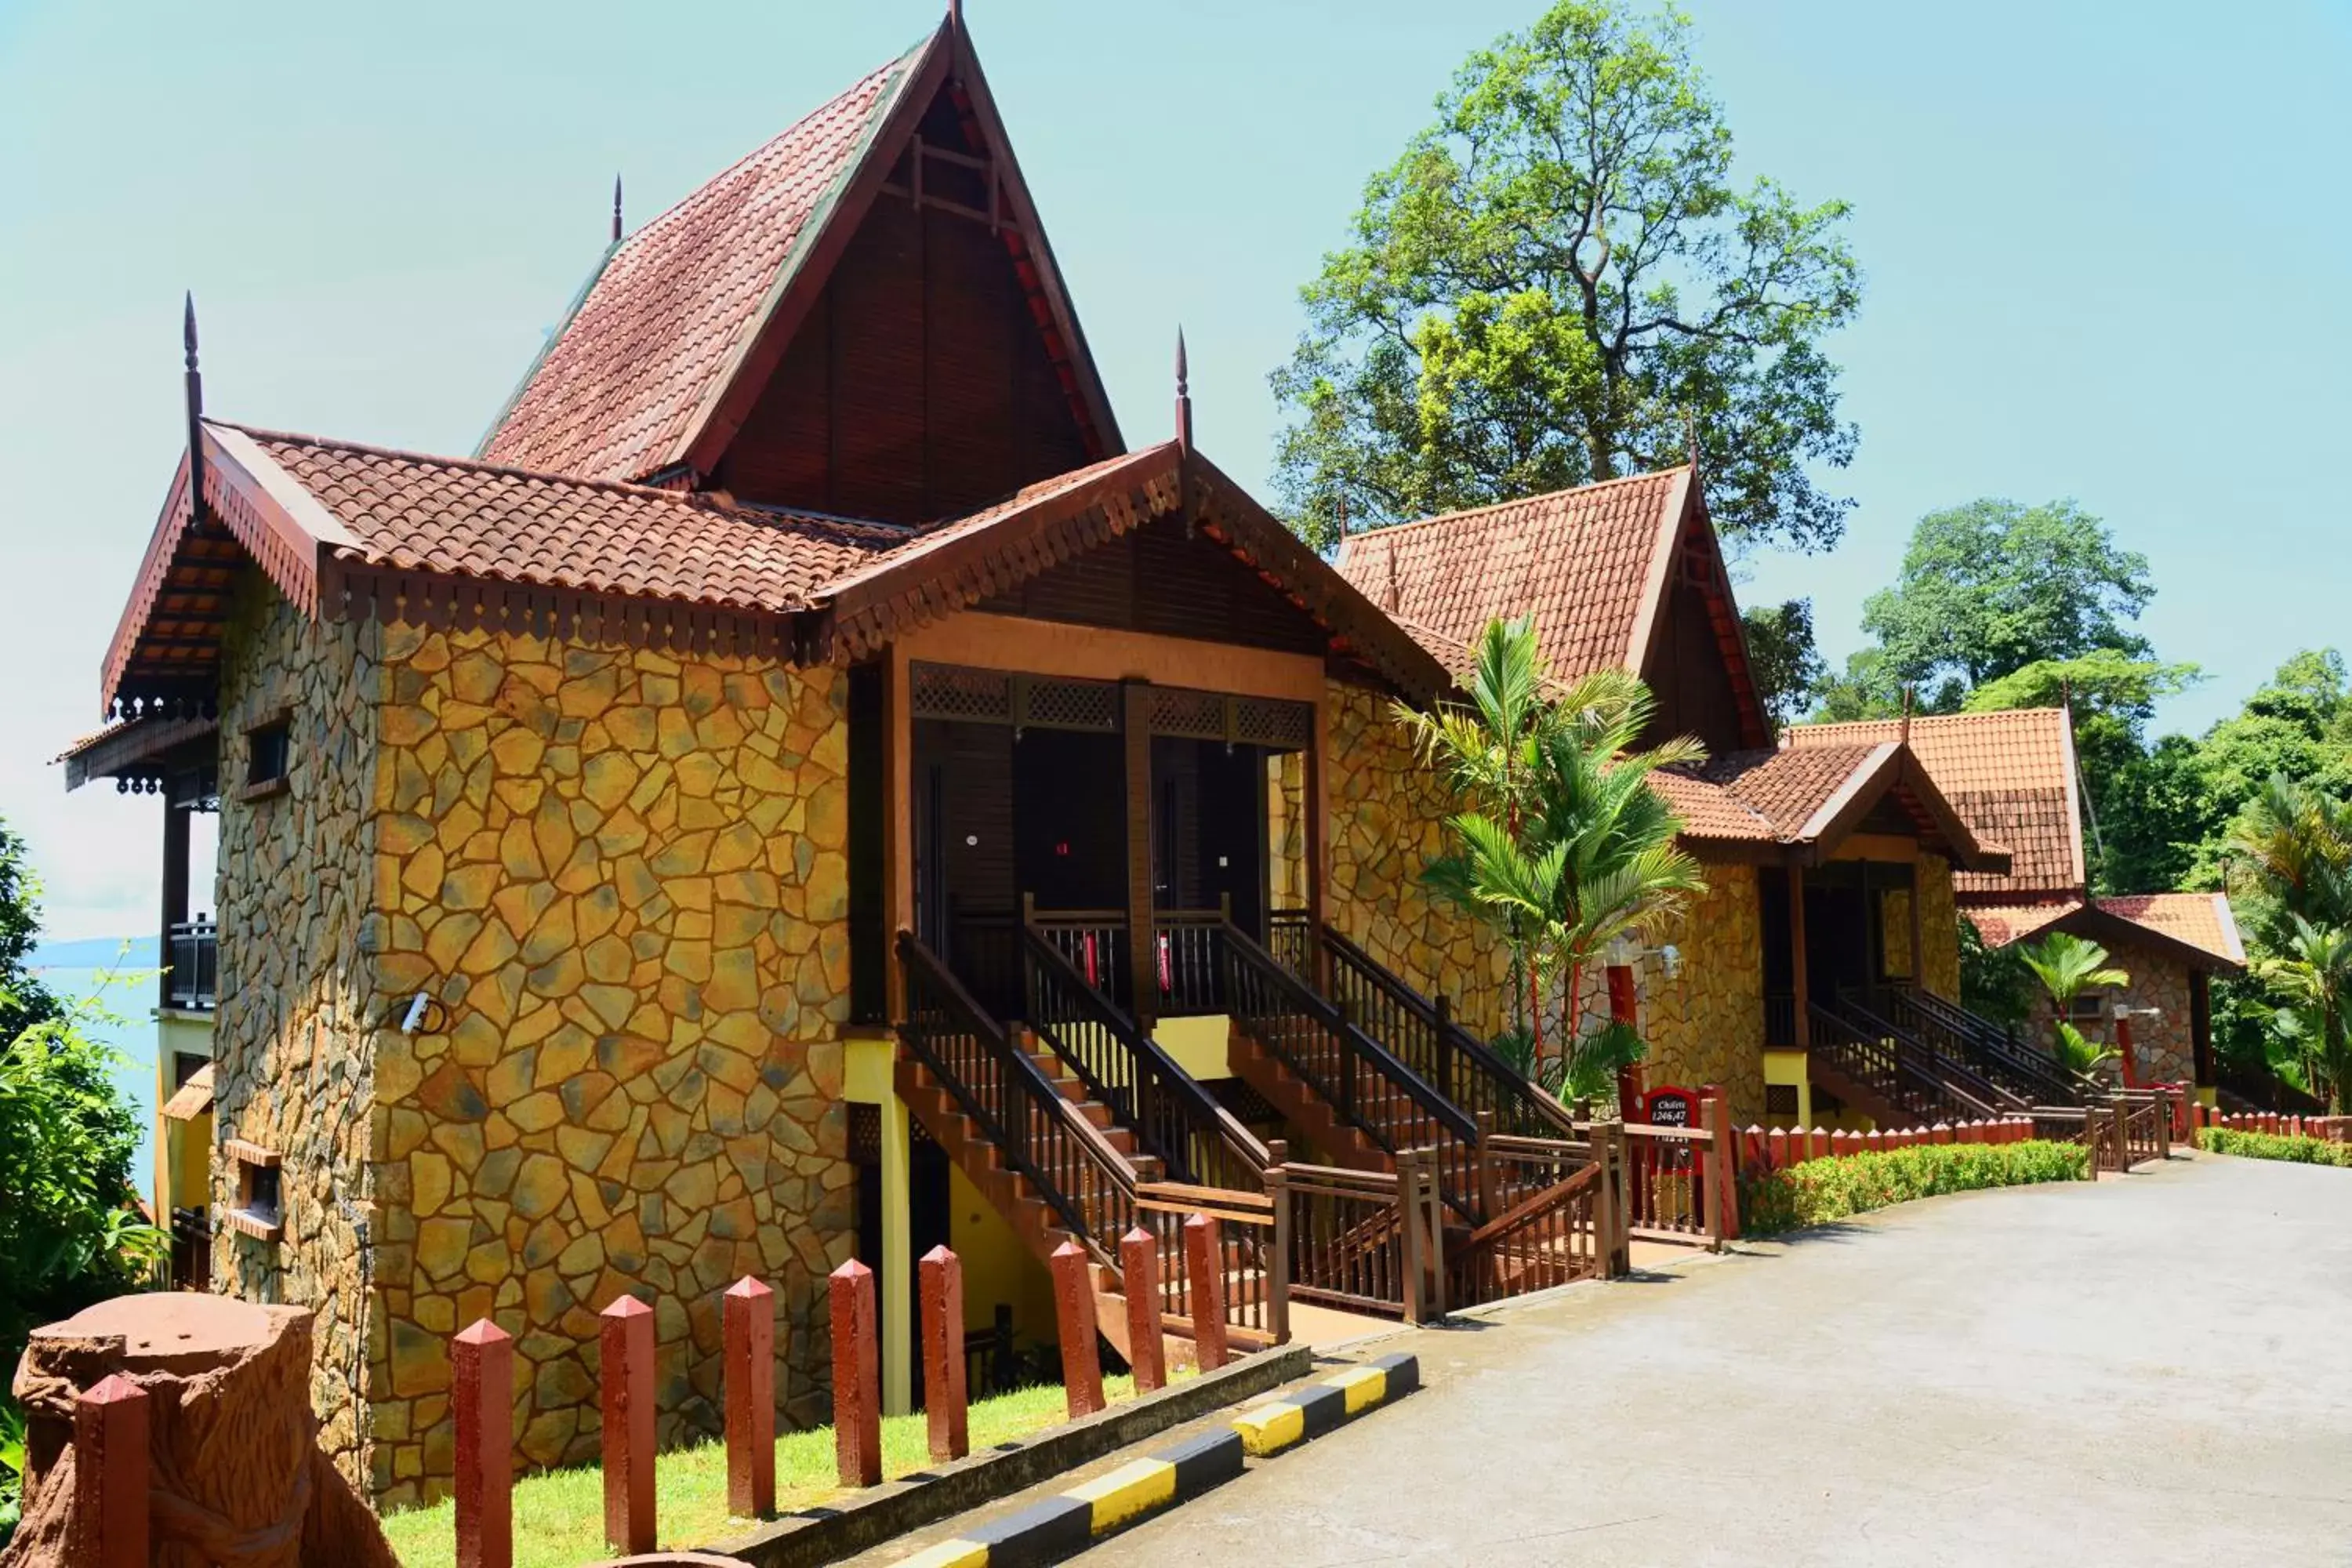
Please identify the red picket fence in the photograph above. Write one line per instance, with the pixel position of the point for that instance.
(2327, 1128)
(1759, 1148)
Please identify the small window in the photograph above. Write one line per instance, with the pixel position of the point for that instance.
(268, 755)
(2088, 1010)
(186, 1064)
(260, 1211)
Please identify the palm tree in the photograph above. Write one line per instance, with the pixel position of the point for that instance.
(2067, 965)
(1563, 846)
(2078, 1053)
(2299, 842)
(2316, 972)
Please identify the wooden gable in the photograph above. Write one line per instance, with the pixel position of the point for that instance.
(919, 386)
(1696, 660)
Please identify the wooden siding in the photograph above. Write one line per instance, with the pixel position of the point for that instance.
(1687, 672)
(918, 387)
(1156, 580)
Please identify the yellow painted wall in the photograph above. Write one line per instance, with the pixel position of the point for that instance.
(184, 1150)
(996, 1266)
(1197, 1045)
(1789, 1068)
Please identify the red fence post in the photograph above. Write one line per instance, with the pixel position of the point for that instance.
(1139, 1268)
(945, 1398)
(1204, 1272)
(856, 1376)
(628, 1377)
(111, 1475)
(749, 1382)
(481, 1374)
(1074, 1315)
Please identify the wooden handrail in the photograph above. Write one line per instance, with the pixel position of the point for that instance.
(1520, 1107)
(1165, 1106)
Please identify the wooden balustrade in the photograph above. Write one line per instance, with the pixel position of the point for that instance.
(1555, 1207)
(1367, 1241)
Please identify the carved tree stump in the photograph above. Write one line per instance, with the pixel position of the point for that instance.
(236, 1475)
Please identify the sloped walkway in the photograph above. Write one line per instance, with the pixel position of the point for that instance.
(2150, 1371)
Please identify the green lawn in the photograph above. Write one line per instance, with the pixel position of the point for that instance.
(559, 1517)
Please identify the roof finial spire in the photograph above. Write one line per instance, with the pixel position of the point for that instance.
(1183, 396)
(1690, 435)
(955, 16)
(1906, 713)
(196, 391)
(616, 207)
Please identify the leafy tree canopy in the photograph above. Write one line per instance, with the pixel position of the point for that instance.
(1561, 281)
(1786, 664)
(23, 1000)
(1993, 586)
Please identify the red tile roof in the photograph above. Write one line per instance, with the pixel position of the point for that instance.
(617, 393)
(2201, 921)
(1711, 812)
(460, 518)
(1588, 563)
(2009, 775)
(2000, 924)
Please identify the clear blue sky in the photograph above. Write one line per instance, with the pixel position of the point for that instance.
(2104, 249)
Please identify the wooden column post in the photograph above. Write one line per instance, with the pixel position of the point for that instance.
(749, 1383)
(111, 1475)
(1278, 1290)
(945, 1396)
(1800, 980)
(1204, 1273)
(481, 1375)
(1147, 1350)
(856, 1376)
(1408, 1173)
(897, 823)
(1315, 808)
(1074, 1319)
(176, 890)
(1723, 1192)
(628, 1378)
(1143, 949)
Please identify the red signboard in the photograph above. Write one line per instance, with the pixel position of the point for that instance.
(1668, 1106)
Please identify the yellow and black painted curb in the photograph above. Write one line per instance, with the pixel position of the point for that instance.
(1310, 1412)
(1063, 1526)
(1053, 1529)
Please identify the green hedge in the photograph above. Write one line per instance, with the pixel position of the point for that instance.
(1818, 1191)
(2272, 1146)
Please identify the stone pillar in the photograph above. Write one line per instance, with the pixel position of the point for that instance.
(236, 1475)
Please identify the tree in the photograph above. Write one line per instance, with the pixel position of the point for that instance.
(2067, 965)
(2316, 975)
(1783, 657)
(23, 1000)
(1993, 586)
(1563, 845)
(1558, 282)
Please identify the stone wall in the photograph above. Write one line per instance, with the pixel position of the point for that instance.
(292, 1034)
(1387, 821)
(2163, 1047)
(1286, 838)
(625, 875)
(1707, 1025)
(1940, 927)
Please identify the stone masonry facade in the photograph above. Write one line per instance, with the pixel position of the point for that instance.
(624, 874)
(293, 1038)
(1707, 1025)
(2163, 1047)
(1387, 821)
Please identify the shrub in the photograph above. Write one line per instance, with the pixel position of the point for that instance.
(1818, 1191)
(2272, 1146)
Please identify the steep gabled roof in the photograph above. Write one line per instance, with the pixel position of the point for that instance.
(337, 525)
(2010, 774)
(1593, 565)
(2198, 929)
(668, 345)
(953, 567)
(1810, 802)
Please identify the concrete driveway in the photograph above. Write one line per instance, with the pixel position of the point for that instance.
(2155, 1370)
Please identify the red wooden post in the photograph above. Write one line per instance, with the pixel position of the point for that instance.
(749, 1382)
(1782, 1156)
(481, 1372)
(1139, 1268)
(945, 1394)
(856, 1376)
(628, 1377)
(111, 1475)
(1074, 1315)
(1204, 1272)
(2125, 1057)
(1624, 1008)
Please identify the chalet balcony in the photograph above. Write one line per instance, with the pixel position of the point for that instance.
(192, 949)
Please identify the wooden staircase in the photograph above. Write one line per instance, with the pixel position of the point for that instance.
(1337, 1140)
